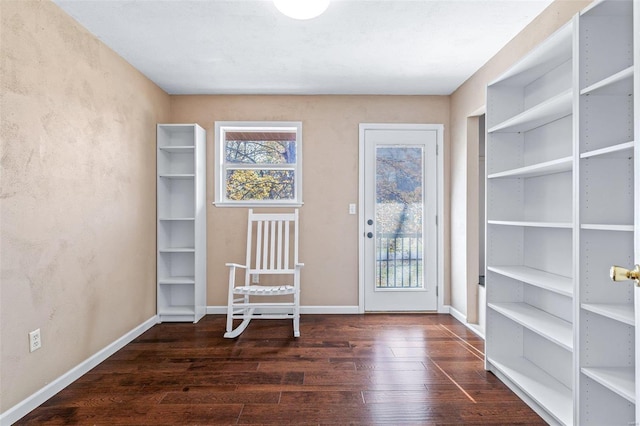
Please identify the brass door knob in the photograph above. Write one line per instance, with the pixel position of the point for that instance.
(618, 273)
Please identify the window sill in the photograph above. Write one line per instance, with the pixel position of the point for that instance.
(253, 204)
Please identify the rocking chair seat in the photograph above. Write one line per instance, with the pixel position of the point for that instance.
(264, 290)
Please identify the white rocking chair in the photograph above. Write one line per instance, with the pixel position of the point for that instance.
(274, 235)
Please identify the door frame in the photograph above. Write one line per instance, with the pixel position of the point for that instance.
(439, 128)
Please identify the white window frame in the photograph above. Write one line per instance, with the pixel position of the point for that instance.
(220, 178)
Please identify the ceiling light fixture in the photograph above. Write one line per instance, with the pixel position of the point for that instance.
(301, 9)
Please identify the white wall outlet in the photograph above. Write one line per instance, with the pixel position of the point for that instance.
(35, 342)
(352, 208)
(255, 278)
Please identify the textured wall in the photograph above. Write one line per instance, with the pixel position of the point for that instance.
(329, 235)
(77, 135)
(470, 97)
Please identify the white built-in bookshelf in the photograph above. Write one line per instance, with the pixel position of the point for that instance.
(181, 222)
(560, 159)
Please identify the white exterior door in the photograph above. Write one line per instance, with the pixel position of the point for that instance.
(399, 238)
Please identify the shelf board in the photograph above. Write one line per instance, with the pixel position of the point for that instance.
(620, 380)
(534, 224)
(550, 110)
(607, 227)
(177, 310)
(620, 83)
(560, 165)
(176, 218)
(618, 148)
(177, 175)
(615, 311)
(177, 250)
(552, 282)
(177, 148)
(546, 325)
(548, 55)
(548, 392)
(177, 280)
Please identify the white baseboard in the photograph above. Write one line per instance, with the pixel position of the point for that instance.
(463, 319)
(479, 331)
(458, 315)
(305, 310)
(24, 407)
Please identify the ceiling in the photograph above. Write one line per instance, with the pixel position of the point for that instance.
(408, 47)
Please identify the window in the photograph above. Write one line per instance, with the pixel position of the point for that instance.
(258, 163)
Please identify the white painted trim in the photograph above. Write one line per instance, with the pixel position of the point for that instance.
(440, 204)
(27, 405)
(475, 328)
(305, 310)
(220, 127)
(444, 309)
(458, 315)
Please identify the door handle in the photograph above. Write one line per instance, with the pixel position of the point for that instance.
(369, 234)
(370, 222)
(618, 273)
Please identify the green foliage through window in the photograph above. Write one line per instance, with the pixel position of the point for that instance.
(260, 163)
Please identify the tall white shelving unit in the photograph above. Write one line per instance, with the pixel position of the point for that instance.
(181, 222)
(530, 225)
(560, 211)
(605, 145)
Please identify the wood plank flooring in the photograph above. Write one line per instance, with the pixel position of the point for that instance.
(345, 369)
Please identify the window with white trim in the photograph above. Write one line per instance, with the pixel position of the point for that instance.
(258, 163)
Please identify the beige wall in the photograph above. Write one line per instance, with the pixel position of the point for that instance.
(465, 101)
(77, 135)
(329, 235)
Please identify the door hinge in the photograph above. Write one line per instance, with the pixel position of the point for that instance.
(436, 291)
(436, 220)
(436, 149)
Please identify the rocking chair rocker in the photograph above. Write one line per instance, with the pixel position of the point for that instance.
(273, 257)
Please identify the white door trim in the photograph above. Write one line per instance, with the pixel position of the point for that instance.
(439, 128)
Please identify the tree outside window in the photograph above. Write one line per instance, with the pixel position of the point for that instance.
(260, 163)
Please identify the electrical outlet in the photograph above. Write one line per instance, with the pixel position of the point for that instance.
(352, 209)
(255, 278)
(35, 342)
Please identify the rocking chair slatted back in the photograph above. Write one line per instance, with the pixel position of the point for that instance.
(271, 250)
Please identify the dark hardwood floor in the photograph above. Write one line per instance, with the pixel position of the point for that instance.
(345, 369)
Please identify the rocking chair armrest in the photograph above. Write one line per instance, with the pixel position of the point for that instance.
(236, 265)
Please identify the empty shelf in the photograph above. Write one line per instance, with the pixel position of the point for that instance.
(618, 148)
(607, 227)
(548, 392)
(177, 280)
(616, 311)
(620, 83)
(549, 167)
(552, 282)
(550, 110)
(546, 325)
(620, 380)
(177, 148)
(534, 224)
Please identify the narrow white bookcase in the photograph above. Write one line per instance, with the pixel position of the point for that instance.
(605, 372)
(560, 211)
(530, 227)
(181, 222)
